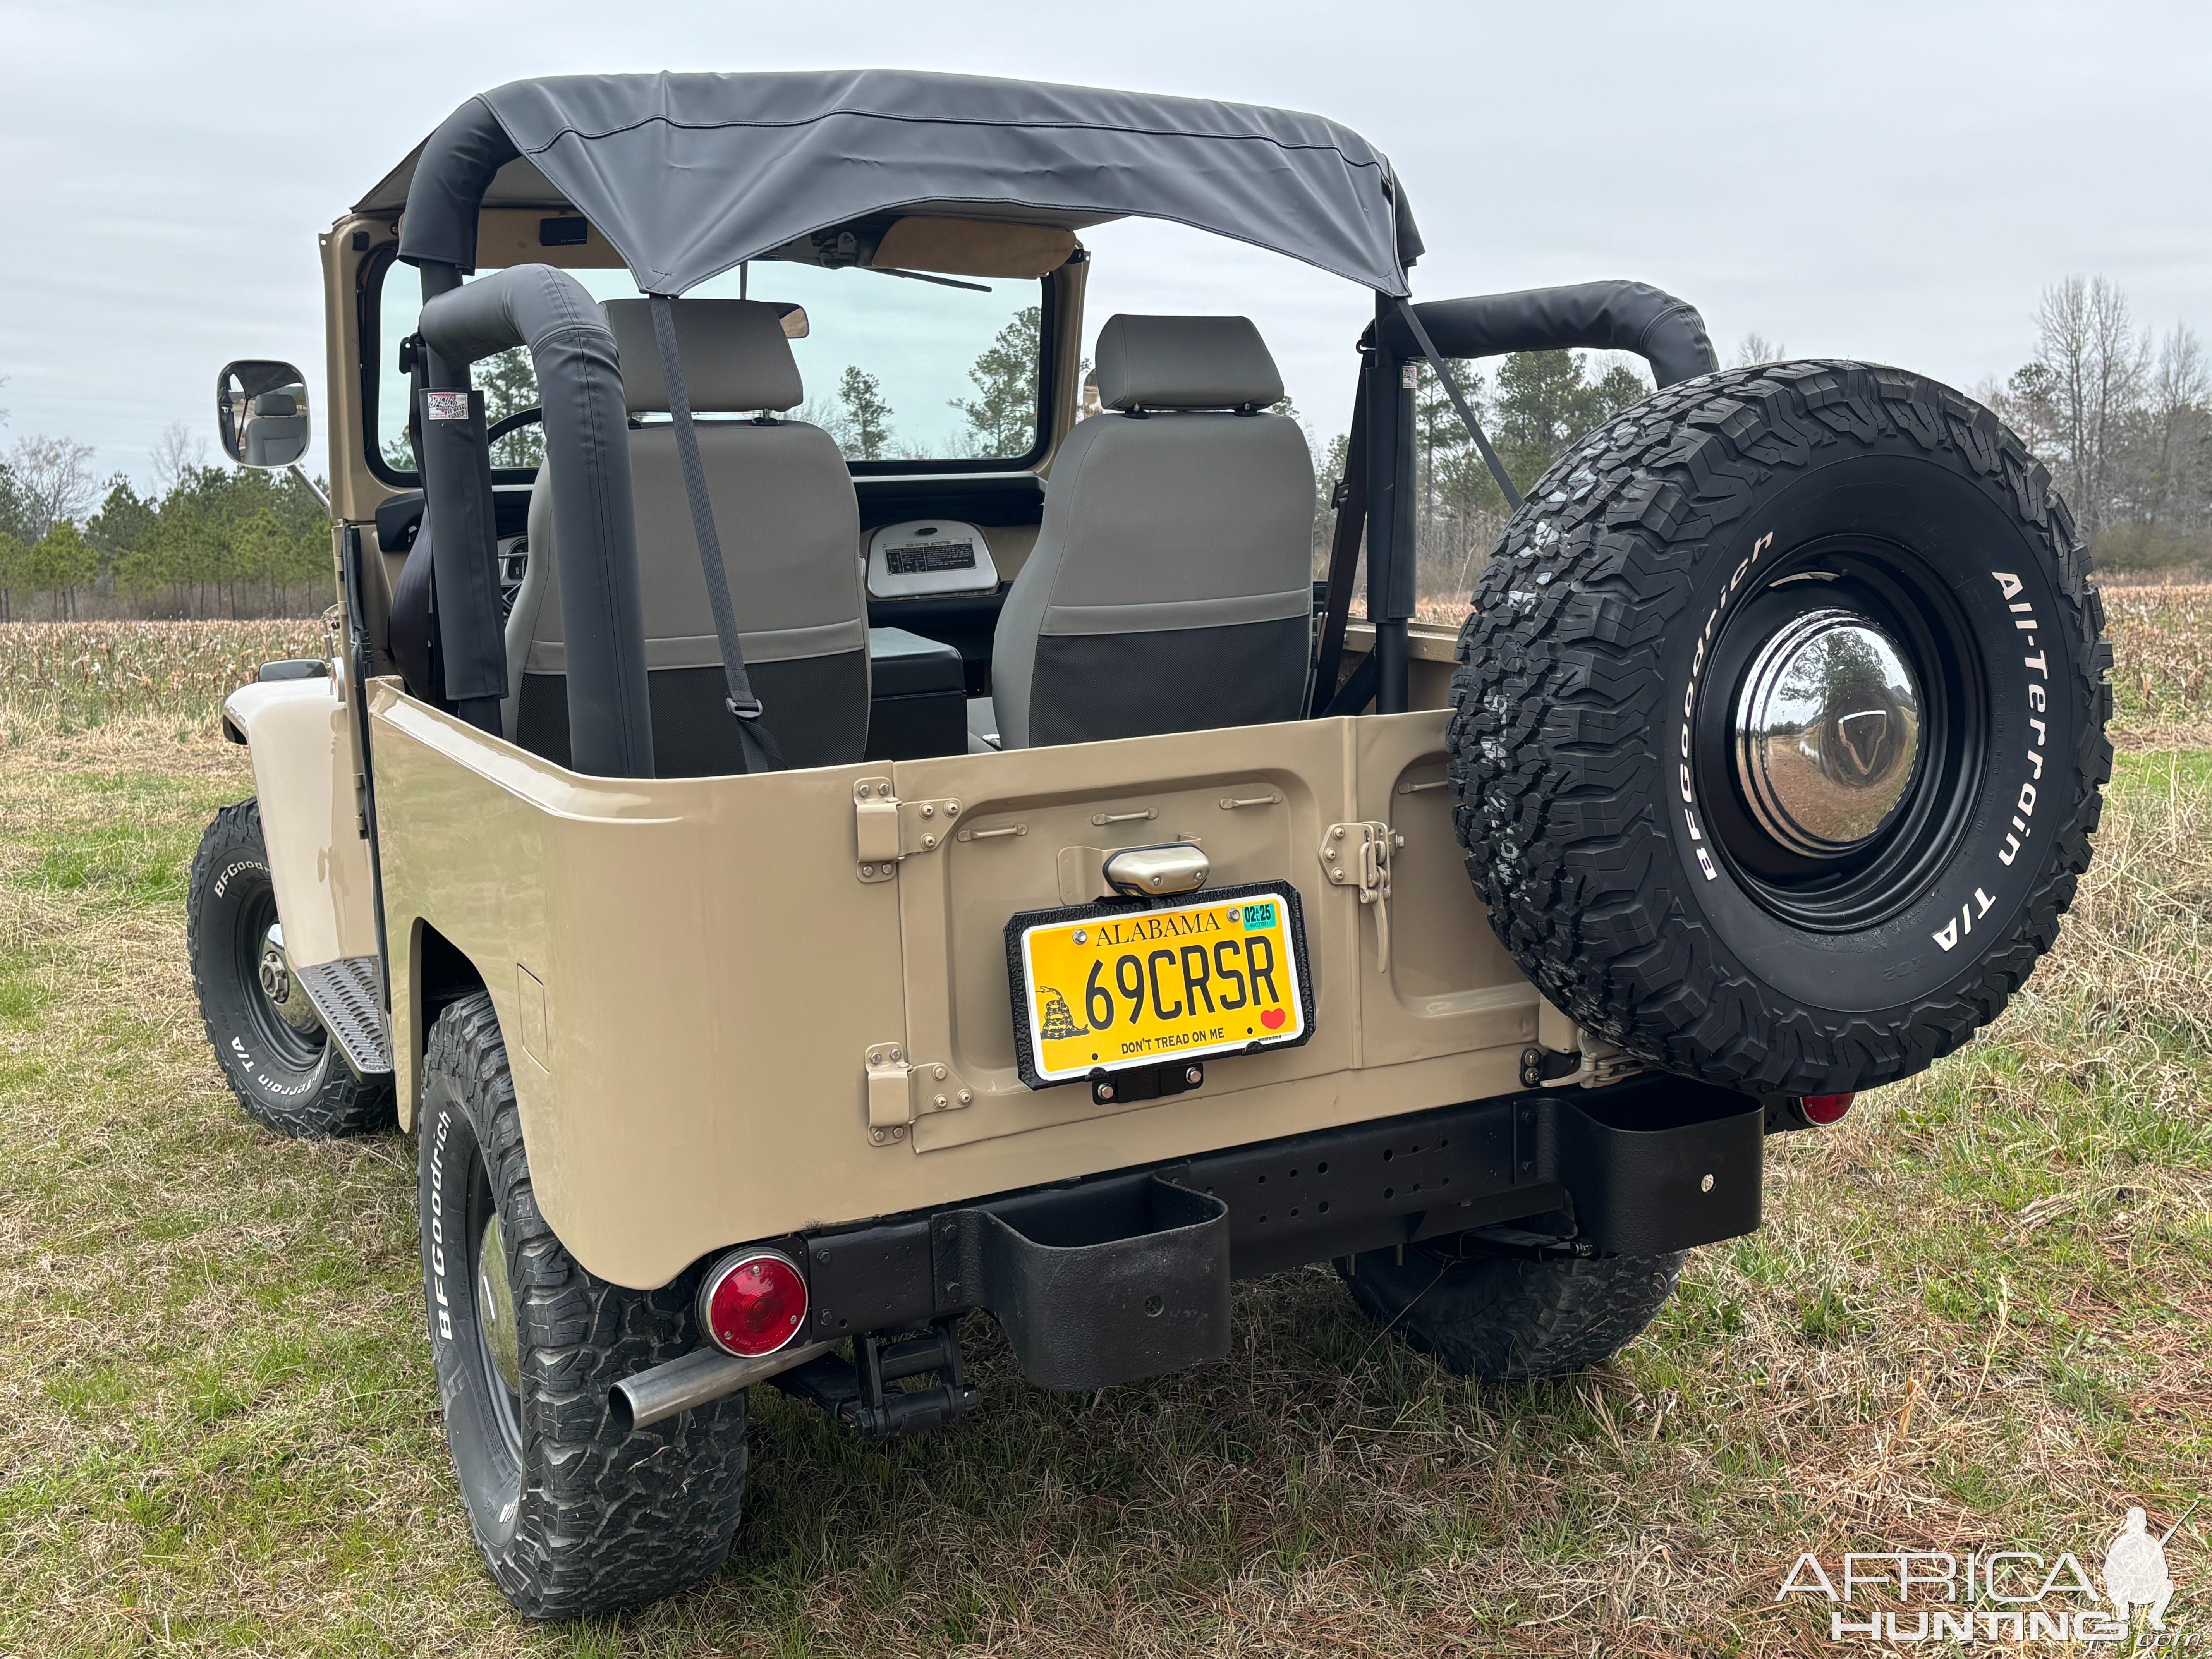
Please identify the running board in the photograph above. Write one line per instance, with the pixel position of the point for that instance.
(348, 996)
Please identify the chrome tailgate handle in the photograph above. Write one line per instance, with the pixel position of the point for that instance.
(1175, 867)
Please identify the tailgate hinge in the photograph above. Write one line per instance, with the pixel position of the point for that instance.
(1359, 856)
(900, 1094)
(888, 830)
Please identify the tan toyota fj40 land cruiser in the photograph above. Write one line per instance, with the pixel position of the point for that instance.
(799, 892)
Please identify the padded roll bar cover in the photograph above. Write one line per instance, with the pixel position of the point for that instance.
(587, 462)
(1616, 316)
(456, 168)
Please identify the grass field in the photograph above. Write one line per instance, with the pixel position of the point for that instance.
(1978, 1317)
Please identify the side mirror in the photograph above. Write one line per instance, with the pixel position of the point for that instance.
(261, 410)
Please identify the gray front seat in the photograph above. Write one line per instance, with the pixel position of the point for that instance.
(789, 525)
(275, 431)
(1170, 588)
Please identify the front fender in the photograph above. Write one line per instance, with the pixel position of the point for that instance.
(304, 765)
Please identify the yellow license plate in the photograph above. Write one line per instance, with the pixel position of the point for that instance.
(1106, 988)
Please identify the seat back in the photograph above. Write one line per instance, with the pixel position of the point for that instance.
(276, 432)
(1170, 588)
(789, 525)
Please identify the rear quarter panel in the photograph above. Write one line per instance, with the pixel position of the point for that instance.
(690, 972)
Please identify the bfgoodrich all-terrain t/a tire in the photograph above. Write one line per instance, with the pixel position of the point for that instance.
(292, 1078)
(1504, 1319)
(574, 1514)
(1779, 729)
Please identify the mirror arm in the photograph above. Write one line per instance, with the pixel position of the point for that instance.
(314, 489)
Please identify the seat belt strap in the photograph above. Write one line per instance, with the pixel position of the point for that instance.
(1344, 555)
(1466, 415)
(756, 743)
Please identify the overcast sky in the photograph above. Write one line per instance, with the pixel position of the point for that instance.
(1889, 181)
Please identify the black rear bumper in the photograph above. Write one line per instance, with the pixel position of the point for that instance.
(1127, 1275)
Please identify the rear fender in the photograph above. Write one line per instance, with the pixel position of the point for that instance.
(304, 767)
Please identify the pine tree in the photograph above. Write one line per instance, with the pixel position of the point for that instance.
(509, 384)
(867, 416)
(15, 578)
(1002, 415)
(62, 562)
(118, 529)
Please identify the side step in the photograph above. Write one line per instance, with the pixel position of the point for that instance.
(853, 1392)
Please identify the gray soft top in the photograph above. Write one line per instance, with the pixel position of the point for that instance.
(688, 175)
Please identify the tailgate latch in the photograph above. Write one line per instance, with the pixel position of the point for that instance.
(1359, 856)
(900, 1093)
(888, 830)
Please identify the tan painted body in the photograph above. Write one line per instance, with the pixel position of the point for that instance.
(691, 973)
(300, 738)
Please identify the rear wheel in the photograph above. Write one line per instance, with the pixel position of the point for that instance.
(1779, 727)
(574, 1514)
(1506, 1319)
(275, 1054)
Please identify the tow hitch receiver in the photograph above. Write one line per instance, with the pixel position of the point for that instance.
(854, 1391)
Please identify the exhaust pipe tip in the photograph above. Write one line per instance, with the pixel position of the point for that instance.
(699, 1378)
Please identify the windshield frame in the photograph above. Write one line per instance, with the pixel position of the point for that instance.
(382, 264)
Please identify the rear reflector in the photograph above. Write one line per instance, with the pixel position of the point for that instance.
(752, 1302)
(1824, 1109)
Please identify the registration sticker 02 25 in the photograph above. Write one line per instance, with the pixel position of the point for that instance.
(1106, 988)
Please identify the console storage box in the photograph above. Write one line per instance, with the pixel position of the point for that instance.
(918, 696)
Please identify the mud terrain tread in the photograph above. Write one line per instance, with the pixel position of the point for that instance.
(1510, 1320)
(1558, 687)
(344, 1103)
(608, 1519)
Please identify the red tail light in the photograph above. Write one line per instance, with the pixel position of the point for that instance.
(1824, 1109)
(752, 1302)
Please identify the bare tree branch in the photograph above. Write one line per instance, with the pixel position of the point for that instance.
(178, 453)
(53, 481)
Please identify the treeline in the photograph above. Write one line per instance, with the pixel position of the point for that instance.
(2121, 416)
(207, 541)
(1533, 405)
(1000, 420)
(2124, 419)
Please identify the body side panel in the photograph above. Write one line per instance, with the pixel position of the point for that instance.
(300, 738)
(691, 971)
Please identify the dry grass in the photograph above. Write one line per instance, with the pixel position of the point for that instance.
(59, 676)
(1978, 1316)
(2161, 664)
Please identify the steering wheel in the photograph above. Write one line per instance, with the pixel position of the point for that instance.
(513, 422)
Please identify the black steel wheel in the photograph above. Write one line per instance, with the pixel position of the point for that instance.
(282, 1064)
(573, 1513)
(1778, 731)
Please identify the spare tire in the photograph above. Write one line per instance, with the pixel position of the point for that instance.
(1779, 729)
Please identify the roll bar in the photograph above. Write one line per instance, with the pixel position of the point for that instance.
(1615, 316)
(1379, 487)
(587, 462)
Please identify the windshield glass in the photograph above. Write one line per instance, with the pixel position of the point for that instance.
(900, 372)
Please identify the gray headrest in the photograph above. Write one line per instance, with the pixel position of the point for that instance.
(276, 403)
(1184, 362)
(734, 352)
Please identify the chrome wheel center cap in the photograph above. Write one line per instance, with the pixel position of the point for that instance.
(503, 1338)
(1827, 732)
(285, 993)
